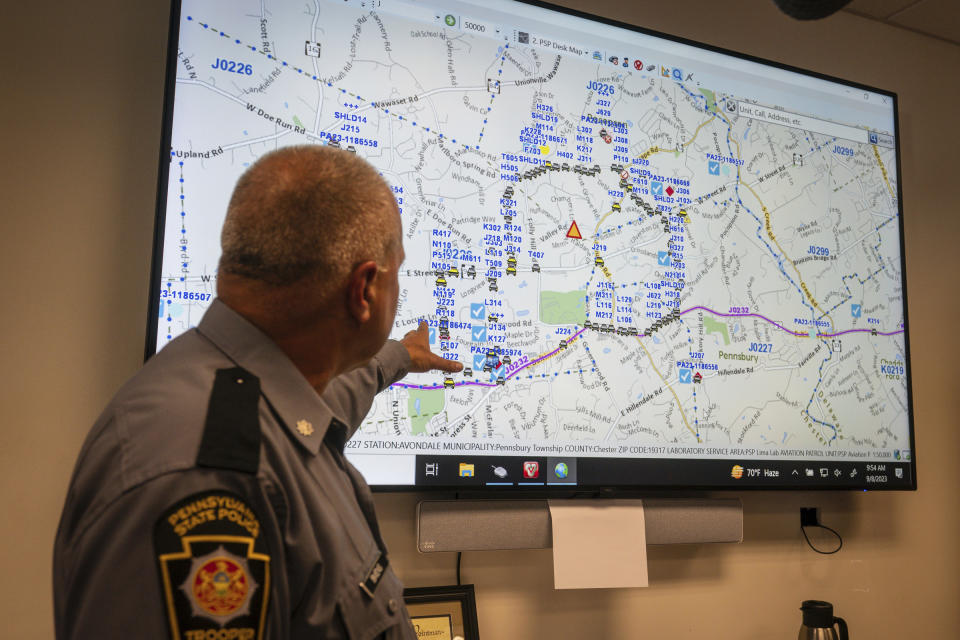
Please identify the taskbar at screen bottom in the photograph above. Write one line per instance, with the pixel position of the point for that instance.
(474, 472)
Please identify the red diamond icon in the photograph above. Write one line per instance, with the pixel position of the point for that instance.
(669, 191)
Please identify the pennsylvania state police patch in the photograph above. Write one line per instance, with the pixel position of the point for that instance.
(214, 568)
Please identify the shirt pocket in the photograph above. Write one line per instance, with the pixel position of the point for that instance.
(366, 618)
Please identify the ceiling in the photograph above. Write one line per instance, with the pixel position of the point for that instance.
(936, 18)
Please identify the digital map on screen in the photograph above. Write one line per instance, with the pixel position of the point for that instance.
(622, 255)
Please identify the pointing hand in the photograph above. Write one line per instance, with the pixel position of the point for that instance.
(422, 359)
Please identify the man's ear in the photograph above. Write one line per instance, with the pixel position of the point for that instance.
(360, 291)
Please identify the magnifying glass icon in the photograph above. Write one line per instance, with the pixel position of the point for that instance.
(677, 74)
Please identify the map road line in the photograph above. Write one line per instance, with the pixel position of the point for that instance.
(212, 88)
(247, 143)
(432, 92)
(483, 399)
(857, 242)
(670, 387)
(769, 228)
(537, 360)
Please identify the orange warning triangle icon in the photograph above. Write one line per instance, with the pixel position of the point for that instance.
(574, 231)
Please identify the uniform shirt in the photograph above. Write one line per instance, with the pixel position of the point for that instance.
(211, 500)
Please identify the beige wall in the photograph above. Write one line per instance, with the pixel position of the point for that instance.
(80, 110)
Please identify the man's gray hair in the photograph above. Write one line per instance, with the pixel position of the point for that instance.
(307, 211)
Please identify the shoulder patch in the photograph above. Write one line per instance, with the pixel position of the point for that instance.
(214, 568)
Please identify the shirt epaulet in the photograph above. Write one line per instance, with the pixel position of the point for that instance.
(231, 434)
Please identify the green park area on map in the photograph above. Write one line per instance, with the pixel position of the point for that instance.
(711, 100)
(563, 307)
(716, 326)
(423, 405)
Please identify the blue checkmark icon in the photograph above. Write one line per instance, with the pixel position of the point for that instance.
(477, 310)
(663, 258)
(686, 375)
(478, 361)
(479, 334)
(656, 188)
(855, 310)
(713, 168)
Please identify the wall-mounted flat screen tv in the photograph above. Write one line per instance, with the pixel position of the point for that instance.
(662, 264)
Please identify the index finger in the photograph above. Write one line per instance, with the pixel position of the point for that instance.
(448, 366)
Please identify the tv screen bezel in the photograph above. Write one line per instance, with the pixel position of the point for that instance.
(164, 162)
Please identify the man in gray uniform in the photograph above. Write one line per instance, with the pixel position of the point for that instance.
(211, 500)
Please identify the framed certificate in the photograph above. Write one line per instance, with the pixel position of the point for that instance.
(443, 613)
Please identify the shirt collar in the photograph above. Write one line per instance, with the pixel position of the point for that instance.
(295, 403)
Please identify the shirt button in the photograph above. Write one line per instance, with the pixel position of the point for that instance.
(392, 606)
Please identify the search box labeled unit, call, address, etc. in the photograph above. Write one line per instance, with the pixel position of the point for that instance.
(797, 121)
